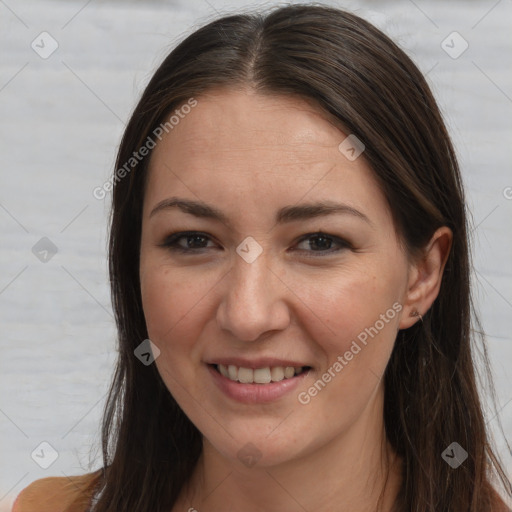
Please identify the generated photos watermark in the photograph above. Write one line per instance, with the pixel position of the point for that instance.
(44, 455)
(342, 361)
(137, 156)
(351, 147)
(454, 455)
(147, 352)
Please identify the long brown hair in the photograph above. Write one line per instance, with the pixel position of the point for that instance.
(359, 77)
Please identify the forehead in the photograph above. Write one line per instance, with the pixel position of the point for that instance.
(267, 150)
(226, 120)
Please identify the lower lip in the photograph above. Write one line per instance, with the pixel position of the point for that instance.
(255, 393)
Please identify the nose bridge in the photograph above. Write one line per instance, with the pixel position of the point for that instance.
(252, 302)
(250, 281)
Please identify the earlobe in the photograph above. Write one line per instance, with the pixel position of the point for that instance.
(426, 276)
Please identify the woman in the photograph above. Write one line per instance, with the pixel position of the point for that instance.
(289, 231)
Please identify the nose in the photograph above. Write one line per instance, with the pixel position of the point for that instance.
(253, 301)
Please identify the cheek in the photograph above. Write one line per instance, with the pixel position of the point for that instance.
(174, 309)
(172, 304)
(355, 324)
(348, 305)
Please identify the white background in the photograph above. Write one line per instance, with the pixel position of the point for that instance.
(61, 121)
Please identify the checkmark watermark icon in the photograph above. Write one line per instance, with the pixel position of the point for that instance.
(454, 45)
(44, 455)
(249, 455)
(249, 249)
(44, 45)
(44, 250)
(454, 455)
(351, 147)
(147, 352)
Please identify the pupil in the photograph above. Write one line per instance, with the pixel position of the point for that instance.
(193, 239)
(321, 242)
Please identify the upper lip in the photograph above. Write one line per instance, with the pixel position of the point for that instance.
(261, 362)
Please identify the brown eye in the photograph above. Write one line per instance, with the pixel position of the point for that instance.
(322, 243)
(187, 242)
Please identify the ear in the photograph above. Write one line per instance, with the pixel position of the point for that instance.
(425, 276)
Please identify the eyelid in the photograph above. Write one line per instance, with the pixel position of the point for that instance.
(341, 242)
(171, 243)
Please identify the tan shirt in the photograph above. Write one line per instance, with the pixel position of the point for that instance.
(58, 494)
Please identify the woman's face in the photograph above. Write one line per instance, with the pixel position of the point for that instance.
(252, 291)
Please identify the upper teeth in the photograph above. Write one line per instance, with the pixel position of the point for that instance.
(258, 375)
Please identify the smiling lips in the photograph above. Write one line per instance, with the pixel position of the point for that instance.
(258, 381)
(259, 375)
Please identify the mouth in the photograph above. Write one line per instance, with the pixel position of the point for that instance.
(264, 375)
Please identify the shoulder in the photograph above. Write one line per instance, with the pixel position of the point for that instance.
(498, 504)
(58, 494)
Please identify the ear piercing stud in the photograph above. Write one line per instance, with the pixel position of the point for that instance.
(416, 313)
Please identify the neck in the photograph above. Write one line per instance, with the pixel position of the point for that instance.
(358, 470)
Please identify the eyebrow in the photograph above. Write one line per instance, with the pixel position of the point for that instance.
(284, 215)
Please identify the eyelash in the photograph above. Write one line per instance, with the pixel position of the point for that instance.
(171, 242)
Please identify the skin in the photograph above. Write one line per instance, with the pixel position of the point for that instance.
(249, 155)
